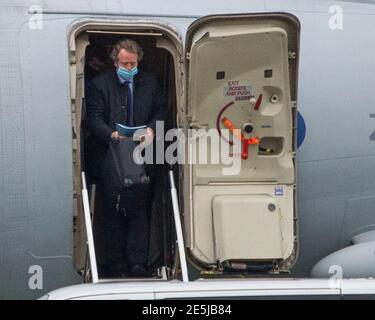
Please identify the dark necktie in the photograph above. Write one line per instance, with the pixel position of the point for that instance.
(129, 105)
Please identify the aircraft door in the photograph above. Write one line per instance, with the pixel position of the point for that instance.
(241, 85)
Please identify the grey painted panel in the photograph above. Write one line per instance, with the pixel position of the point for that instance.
(13, 199)
(36, 157)
(335, 198)
(195, 8)
(335, 88)
(45, 69)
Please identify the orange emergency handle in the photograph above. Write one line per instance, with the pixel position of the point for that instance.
(230, 126)
(245, 146)
(245, 142)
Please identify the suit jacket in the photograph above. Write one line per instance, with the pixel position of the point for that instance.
(107, 103)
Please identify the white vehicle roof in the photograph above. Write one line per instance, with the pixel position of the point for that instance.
(145, 290)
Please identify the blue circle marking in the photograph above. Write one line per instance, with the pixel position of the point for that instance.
(301, 129)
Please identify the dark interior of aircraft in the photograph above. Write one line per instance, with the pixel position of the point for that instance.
(160, 62)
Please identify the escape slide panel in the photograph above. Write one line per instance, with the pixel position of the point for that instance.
(242, 222)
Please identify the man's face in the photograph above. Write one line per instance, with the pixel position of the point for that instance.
(127, 59)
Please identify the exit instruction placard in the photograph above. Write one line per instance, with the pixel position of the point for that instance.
(237, 90)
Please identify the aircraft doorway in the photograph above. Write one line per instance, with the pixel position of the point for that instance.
(219, 209)
(93, 48)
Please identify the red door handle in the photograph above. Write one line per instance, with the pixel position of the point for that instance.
(245, 146)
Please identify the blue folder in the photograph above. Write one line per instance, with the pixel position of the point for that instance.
(128, 131)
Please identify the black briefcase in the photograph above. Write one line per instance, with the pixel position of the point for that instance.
(125, 181)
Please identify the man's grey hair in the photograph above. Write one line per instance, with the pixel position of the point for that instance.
(128, 45)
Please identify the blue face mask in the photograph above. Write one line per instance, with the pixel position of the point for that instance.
(125, 74)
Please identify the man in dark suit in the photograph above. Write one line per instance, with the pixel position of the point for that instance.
(125, 95)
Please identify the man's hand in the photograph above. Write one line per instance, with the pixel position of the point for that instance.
(144, 135)
(116, 137)
(148, 136)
